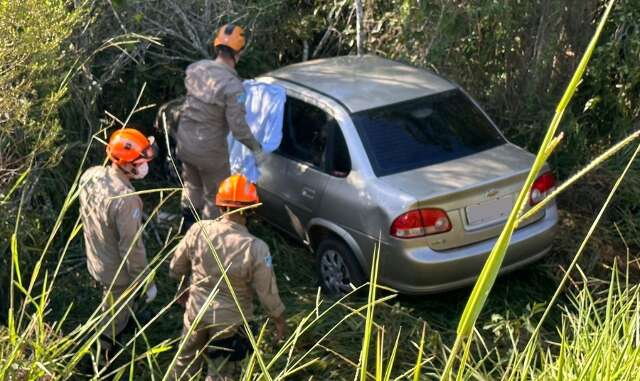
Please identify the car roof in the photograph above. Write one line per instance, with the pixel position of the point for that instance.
(363, 82)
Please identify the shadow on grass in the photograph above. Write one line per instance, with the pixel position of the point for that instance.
(513, 303)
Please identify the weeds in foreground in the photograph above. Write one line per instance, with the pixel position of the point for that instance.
(598, 337)
(494, 262)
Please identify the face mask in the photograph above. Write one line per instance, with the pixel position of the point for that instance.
(141, 171)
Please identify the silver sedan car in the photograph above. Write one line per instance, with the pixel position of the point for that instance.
(376, 152)
(379, 155)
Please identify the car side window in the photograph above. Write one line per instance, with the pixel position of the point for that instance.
(339, 161)
(304, 134)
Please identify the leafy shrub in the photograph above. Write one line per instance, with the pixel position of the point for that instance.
(34, 62)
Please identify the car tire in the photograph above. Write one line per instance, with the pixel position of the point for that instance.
(337, 267)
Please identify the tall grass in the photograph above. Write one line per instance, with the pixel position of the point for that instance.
(493, 264)
(31, 348)
(598, 337)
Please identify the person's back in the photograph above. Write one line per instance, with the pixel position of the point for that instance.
(203, 126)
(214, 106)
(248, 266)
(100, 188)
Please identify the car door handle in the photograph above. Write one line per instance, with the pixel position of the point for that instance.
(308, 193)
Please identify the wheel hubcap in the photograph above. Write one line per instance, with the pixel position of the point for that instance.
(335, 274)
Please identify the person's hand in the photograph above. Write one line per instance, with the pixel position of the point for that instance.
(281, 327)
(152, 292)
(182, 300)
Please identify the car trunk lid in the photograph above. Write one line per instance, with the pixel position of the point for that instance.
(477, 192)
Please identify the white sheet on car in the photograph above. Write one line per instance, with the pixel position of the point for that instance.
(265, 113)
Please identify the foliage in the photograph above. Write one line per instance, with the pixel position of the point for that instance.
(35, 57)
(65, 64)
(598, 334)
(177, 33)
(514, 57)
(493, 264)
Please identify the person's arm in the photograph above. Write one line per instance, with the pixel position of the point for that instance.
(180, 266)
(128, 217)
(263, 281)
(180, 263)
(235, 113)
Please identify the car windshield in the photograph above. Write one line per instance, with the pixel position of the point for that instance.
(424, 131)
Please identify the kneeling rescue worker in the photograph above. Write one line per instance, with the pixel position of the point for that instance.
(214, 105)
(111, 222)
(250, 271)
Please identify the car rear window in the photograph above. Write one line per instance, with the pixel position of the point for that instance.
(424, 132)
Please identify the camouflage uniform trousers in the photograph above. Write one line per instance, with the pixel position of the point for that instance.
(197, 348)
(114, 321)
(201, 182)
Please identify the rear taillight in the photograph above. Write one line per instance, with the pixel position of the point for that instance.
(541, 188)
(421, 222)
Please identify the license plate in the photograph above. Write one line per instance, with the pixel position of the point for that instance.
(490, 211)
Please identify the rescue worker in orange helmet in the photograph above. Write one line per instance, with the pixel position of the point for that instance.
(214, 105)
(250, 272)
(111, 223)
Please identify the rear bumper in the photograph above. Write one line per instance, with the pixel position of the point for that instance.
(423, 271)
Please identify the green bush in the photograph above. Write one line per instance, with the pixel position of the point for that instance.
(514, 57)
(34, 62)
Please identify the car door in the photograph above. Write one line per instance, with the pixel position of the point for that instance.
(304, 143)
(272, 172)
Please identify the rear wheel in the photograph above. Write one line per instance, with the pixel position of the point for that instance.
(337, 267)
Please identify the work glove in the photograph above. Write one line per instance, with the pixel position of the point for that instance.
(152, 292)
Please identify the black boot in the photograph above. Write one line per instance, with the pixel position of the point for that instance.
(143, 315)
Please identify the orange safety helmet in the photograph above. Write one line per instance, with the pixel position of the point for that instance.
(236, 192)
(230, 35)
(130, 146)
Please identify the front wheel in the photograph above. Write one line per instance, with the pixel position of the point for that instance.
(338, 268)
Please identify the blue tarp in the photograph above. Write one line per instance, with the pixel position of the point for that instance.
(265, 112)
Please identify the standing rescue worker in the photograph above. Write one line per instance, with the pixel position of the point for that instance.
(214, 105)
(111, 223)
(249, 269)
